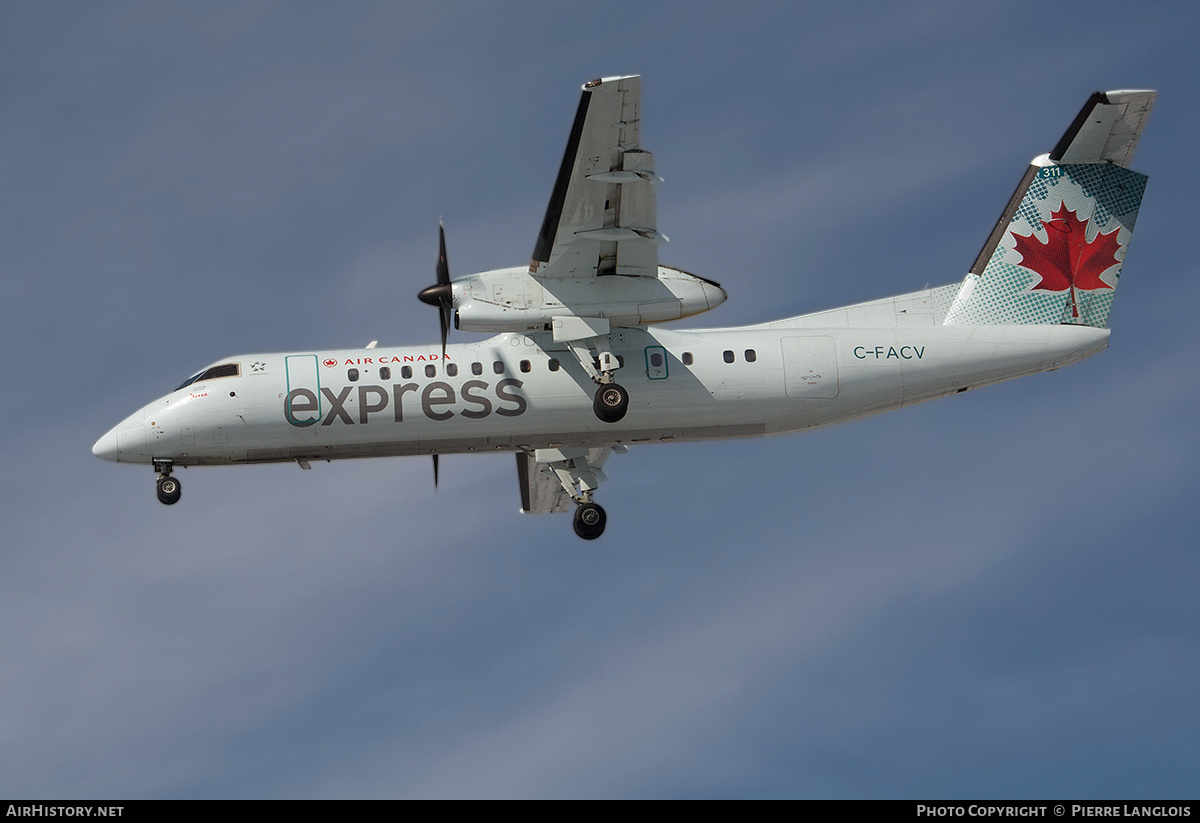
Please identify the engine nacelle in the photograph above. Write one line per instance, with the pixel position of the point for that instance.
(515, 300)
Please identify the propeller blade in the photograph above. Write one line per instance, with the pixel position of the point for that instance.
(442, 293)
(443, 268)
(443, 278)
(445, 318)
(435, 471)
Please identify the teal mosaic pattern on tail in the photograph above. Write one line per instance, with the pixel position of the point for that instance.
(1056, 254)
(1060, 260)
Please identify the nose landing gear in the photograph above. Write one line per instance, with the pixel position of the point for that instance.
(169, 489)
(578, 472)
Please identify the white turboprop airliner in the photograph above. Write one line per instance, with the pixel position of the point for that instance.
(576, 370)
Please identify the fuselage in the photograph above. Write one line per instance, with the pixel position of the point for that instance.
(518, 390)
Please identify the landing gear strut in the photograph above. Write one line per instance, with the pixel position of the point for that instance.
(589, 521)
(169, 489)
(611, 400)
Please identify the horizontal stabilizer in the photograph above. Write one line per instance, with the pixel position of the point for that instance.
(1106, 130)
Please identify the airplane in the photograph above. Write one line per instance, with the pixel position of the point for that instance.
(585, 312)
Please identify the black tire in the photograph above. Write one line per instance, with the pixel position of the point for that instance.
(611, 403)
(169, 490)
(589, 521)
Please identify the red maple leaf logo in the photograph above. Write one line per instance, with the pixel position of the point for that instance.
(1067, 260)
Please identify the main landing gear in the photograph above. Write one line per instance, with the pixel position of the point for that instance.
(169, 489)
(589, 521)
(611, 403)
(611, 400)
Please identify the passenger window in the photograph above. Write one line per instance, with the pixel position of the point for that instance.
(525, 366)
(353, 375)
(553, 364)
(751, 356)
(431, 370)
(728, 356)
(452, 370)
(687, 358)
(406, 372)
(656, 360)
(385, 373)
(498, 367)
(476, 368)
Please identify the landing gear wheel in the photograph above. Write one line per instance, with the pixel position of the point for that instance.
(611, 403)
(589, 521)
(169, 490)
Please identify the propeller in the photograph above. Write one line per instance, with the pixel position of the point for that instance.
(442, 293)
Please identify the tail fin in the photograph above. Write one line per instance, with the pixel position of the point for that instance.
(1055, 255)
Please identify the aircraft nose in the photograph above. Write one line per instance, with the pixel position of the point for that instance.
(107, 447)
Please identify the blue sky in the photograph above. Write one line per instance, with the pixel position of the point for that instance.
(990, 596)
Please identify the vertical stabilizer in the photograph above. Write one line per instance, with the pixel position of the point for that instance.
(1056, 253)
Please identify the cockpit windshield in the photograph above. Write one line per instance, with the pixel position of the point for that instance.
(223, 370)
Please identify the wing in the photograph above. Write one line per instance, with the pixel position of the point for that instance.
(601, 216)
(541, 491)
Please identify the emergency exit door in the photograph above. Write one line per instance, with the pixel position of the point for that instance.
(656, 362)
